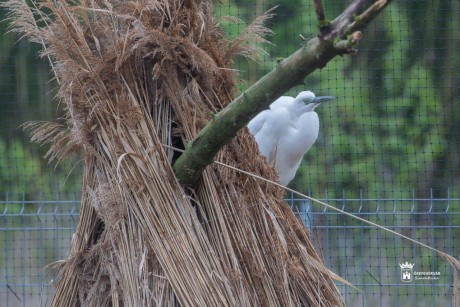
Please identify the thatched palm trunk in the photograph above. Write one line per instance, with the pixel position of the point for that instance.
(137, 77)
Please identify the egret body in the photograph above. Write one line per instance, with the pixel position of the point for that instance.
(287, 130)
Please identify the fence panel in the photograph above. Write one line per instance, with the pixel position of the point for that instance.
(35, 234)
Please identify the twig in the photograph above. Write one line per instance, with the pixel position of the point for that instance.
(368, 15)
(14, 293)
(348, 45)
(322, 21)
(354, 15)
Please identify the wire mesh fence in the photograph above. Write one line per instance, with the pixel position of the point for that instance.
(34, 234)
(370, 258)
(390, 140)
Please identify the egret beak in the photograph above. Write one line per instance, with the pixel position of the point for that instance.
(321, 99)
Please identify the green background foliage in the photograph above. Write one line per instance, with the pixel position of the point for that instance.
(392, 130)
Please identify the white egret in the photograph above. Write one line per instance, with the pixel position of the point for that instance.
(287, 130)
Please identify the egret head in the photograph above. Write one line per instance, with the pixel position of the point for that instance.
(311, 101)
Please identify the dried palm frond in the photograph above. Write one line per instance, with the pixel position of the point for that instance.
(136, 77)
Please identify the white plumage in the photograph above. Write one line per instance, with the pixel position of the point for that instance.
(287, 130)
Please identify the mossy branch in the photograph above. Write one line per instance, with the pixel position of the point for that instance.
(323, 23)
(314, 54)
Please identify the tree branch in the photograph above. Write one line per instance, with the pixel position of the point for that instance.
(367, 16)
(316, 53)
(341, 25)
(323, 23)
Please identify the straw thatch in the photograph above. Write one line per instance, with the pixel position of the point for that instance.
(136, 78)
